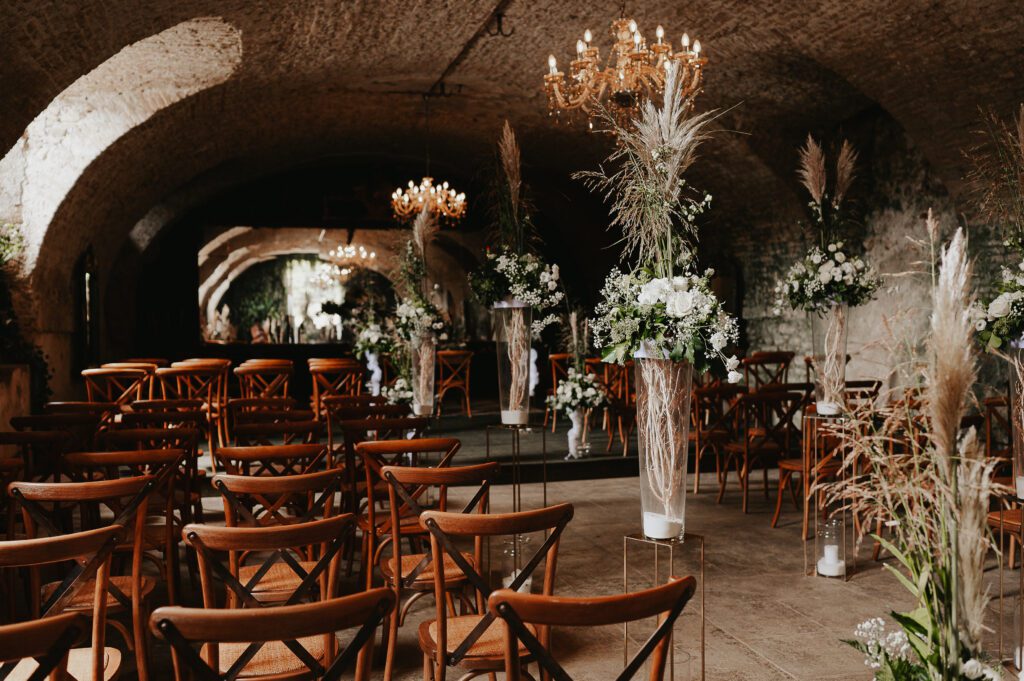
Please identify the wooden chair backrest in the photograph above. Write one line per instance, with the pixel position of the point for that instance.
(88, 554)
(318, 540)
(769, 419)
(559, 367)
(444, 527)
(262, 501)
(120, 386)
(453, 366)
(184, 628)
(191, 382)
(335, 379)
(765, 367)
(286, 432)
(666, 602)
(264, 378)
(273, 460)
(101, 410)
(48, 641)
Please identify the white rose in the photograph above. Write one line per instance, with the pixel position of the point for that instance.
(732, 363)
(654, 292)
(735, 377)
(972, 669)
(1000, 307)
(825, 275)
(831, 248)
(840, 257)
(679, 304)
(816, 258)
(681, 283)
(718, 340)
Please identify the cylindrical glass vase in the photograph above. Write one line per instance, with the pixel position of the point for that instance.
(1017, 416)
(422, 353)
(663, 429)
(828, 336)
(512, 330)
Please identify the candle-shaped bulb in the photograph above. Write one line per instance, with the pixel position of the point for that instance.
(636, 40)
(660, 32)
(696, 47)
(632, 25)
(552, 64)
(588, 36)
(580, 46)
(686, 42)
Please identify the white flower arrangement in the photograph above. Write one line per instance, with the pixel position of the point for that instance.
(825, 278)
(678, 316)
(417, 318)
(400, 392)
(1001, 321)
(506, 276)
(372, 338)
(578, 390)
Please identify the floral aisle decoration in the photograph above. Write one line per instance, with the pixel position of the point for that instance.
(828, 280)
(910, 471)
(372, 341)
(576, 395)
(418, 323)
(521, 289)
(996, 182)
(661, 311)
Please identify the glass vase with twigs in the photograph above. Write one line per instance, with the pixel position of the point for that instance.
(521, 289)
(661, 312)
(829, 281)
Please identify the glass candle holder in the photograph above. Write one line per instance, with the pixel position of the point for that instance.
(831, 554)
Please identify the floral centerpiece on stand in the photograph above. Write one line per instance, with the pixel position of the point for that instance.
(518, 285)
(828, 280)
(660, 311)
(372, 341)
(997, 186)
(418, 323)
(579, 392)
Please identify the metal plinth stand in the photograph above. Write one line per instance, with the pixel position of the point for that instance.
(650, 562)
(517, 432)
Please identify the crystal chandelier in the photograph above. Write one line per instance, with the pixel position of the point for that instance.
(441, 200)
(350, 253)
(633, 73)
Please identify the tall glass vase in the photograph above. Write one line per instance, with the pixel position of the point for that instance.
(422, 354)
(828, 336)
(663, 429)
(512, 330)
(1017, 416)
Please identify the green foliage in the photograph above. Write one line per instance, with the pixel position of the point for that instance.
(15, 348)
(258, 294)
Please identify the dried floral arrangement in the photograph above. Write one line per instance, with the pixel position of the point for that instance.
(828, 274)
(662, 305)
(910, 471)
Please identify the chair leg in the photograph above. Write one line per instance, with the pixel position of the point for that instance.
(696, 470)
(744, 479)
(784, 477)
(723, 475)
(765, 472)
(139, 630)
(389, 651)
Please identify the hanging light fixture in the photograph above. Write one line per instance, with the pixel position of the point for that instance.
(440, 199)
(633, 73)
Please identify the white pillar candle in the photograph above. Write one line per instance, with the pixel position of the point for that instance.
(1020, 486)
(831, 553)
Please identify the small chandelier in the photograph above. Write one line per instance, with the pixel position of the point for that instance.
(350, 254)
(633, 73)
(441, 200)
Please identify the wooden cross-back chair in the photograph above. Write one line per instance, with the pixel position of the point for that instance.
(88, 556)
(102, 412)
(165, 414)
(344, 435)
(167, 513)
(197, 381)
(334, 378)
(711, 417)
(821, 440)
(264, 501)
(41, 452)
(255, 410)
(149, 387)
(559, 362)
(292, 563)
(373, 457)
(32, 650)
(340, 408)
(285, 635)
(765, 431)
(764, 367)
(264, 378)
(275, 460)
(45, 510)
(453, 371)
(518, 611)
(414, 572)
(120, 386)
(473, 642)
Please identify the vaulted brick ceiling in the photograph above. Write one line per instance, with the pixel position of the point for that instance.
(343, 77)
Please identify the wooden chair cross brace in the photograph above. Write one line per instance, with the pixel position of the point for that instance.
(272, 509)
(480, 584)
